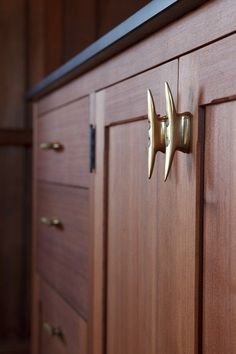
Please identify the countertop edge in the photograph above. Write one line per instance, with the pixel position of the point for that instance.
(147, 20)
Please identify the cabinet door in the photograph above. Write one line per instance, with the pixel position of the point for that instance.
(145, 231)
(208, 86)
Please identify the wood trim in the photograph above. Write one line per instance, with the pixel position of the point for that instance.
(15, 137)
(35, 302)
(97, 248)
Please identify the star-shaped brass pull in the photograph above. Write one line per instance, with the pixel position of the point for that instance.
(167, 133)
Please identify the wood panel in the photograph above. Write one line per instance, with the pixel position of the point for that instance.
(56, 312)
(13, 256)
(200, 27)
(45, 37)
(62, 252)
(111, 13)
(128, 99)
(219, 321)
(69, 125)
(12, 68)
(207, 76)
(80, 23)
(53, 34)
(36, 47)
(151, 303)
(150, 299)
(14, 186)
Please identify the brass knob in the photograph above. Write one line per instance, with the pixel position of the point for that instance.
(56, 146)
(50, 221)
(52, 330)
(167, 133)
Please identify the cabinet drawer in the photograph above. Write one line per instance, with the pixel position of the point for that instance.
(62, 330)
(62, 249)
(66, 163)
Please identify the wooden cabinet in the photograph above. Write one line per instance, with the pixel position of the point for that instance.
(169, 246)
(61, 229)
(146, 266)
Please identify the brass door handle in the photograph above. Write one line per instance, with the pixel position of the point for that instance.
(56, 146)
(50, 221)
(167, 133)
(52, 330)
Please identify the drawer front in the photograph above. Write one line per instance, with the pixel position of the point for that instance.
(62, 249)
(66, 163)
(62, 330)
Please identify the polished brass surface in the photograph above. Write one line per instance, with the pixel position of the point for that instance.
(51, 146)
(50, 221)
(52, 330)
(167, 133)
(157, 132)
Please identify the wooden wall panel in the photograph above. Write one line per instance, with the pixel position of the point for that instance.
(79, 26)
(45, 38)
(14, 298)
(36, 47)
(12, 63)
(14, 181)
(53, 34)
(112, 12)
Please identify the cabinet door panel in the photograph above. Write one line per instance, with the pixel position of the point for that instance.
(151, 252)
(207, 84)
(150, 228)
(219, 230)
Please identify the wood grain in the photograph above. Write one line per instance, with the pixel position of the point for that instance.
(56, 312)
(206, 76)
(96, 328)
(204, 84)
(128, 100)
(69, 126)
(35, 279)
(62, 252)
(219, 320)
(151, 254)
(188, 33)
(149, 300)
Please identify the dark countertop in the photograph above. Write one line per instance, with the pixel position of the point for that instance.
(157, 14)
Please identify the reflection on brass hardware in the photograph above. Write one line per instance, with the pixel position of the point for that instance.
(51, 146)
(50, 221)
(157, 132)
(52, 330)
(167, 133)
